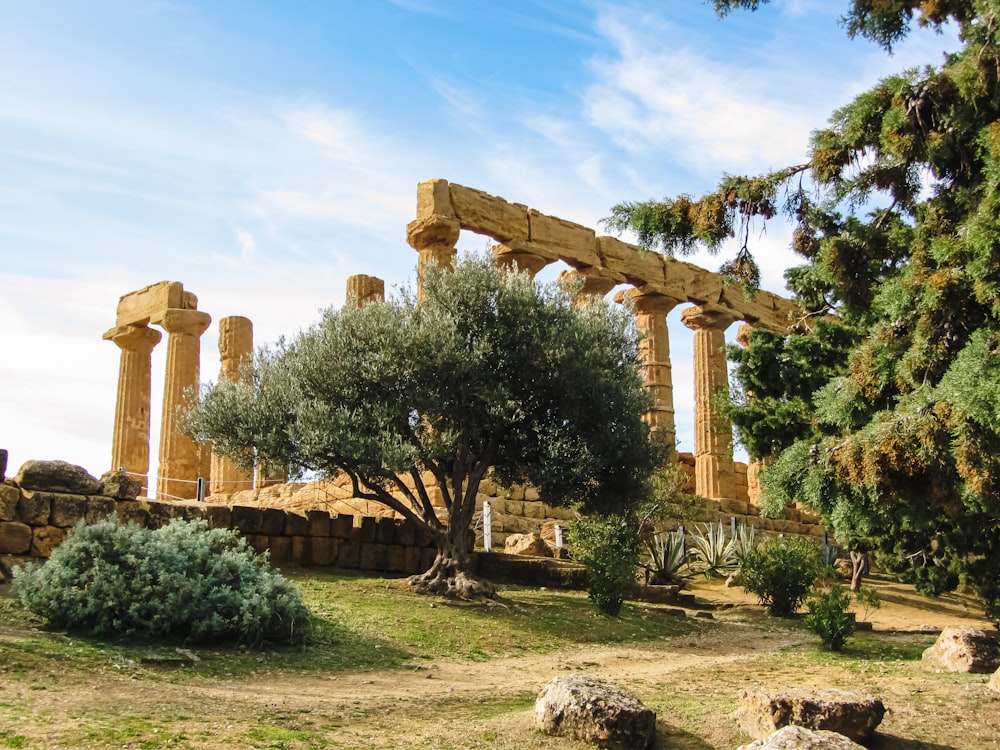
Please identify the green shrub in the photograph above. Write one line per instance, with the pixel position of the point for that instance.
(828, 617)
(609, 547)
(780, 572)
(712, 553)
(869, 599)
(667, 555)
(183, 581)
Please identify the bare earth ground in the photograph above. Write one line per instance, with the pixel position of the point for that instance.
(692, 681)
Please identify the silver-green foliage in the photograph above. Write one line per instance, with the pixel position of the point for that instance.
(668, 555)
(713, 554)
(183, 582)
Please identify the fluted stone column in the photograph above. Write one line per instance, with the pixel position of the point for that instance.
(362, 289)
(585, 284)
(715, 476)
(235, 348)
(434, 238)
(521, 258)
(180, 457)
(130, 444)
(651, 310)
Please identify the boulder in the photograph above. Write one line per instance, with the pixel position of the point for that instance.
(592, 710)
(964, 649)
(120, 486)
(799, 738)
(994, 683)
(57, 476)
(852, 715)
(526, 544)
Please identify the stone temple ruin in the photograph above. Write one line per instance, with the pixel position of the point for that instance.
(524, 237)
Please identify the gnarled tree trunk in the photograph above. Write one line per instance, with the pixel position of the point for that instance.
(452, 573)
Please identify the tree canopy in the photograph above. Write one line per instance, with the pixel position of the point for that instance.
(887, 419)
(488, 370)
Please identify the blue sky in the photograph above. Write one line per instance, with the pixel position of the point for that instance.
(263, 152)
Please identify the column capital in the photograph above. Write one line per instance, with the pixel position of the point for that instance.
(134, 338)
(648, 302)
(592, 284)
(191, 322)
(711, 317)
(433, 232)
(521, 256)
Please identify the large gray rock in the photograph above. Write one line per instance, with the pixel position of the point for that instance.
(964, 650)
(799, 738)
(852, 715)
(57, 476)
(592, 710)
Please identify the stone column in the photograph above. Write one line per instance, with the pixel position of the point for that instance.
(362, 289)
(180, 457)
(235, 348)
(651, 310)
(521, 257)
(715, 476)
(592, 284)
(130, 445)
(434, 238)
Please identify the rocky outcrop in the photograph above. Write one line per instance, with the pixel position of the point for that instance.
(799, 738)
(852, 715)
(57, 476)
(964, 649)
(592, 710)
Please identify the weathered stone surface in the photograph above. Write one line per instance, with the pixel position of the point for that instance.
(572, 240)
(120, 486)
(799, 738)
(9, 497)
(592, 710)
(147, 304)
(44, 539)
(434, 197)
(628, 263)
(527, 544)
(15, 538)
(247, 520)
(218, 516)
(99, 508)
(235, 348)
(57, 476)
(34, 508)
(68, 510)
(486, 214)
(964, 649)
(849, 714)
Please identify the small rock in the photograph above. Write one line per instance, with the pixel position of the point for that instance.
(799, 738)
(852, 715)
(57, 476)
(964, 650)
(526, 544)
(591, 710)
(702, 615)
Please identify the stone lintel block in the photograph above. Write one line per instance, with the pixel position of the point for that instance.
(342, 526)
(68, 510)
(486, 214)
(133, 511)
(367, 530)
(10, 496)
(273, 521)
(374, 556)
(258, 542)
(280, 549)
(44, 539)
(34, 508)
(247, 520)
(385, 530)
(15, 538)
(319, 523)
(573, 240)
(705, 288)
(146, 305)
(349, 554)
(296, 523)
(218, 516)
(634, 264)
(434, 198)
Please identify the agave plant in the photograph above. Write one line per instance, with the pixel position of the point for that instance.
(668, 554)
(743, 542)
(713, 553)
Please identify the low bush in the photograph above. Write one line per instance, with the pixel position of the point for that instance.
(183, 581)
(609, 547)
(828, 616)
(780, 572)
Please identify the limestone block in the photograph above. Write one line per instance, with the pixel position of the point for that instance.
(9, 498)
(296, 523)
(299, 555)
(218, 516)
(68, 510)
(794, 737)
(433, 232)
(526, 544)
(630, 262)
(385, 530)
(531, 493)
(342, 526)
(737, 507)
(534, 510)
(792, 514)
(589, 709)
(406, 534)
(366, 530)
(518, 524)
(517, 493)
(273, 521)
(964, 649)
(348, 554)
(322, 551)
(488, 487)
(705, 288)
(98, 508)
(855, 716)
(434, 198)
(121, 486)
(498, 504)
(44, 539)
(486, 214)
(319, 523)
(147, 304)
(34, 508)
(411, 560)
(133, 511)
(806, 517)
(280, 549)
(514, 507)
(57, 476)
(15, 538)
(561, 514)
(259, 543)
(247, 520)
(395, 559)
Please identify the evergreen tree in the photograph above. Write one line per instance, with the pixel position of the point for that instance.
(888, 420)
(487, 370)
